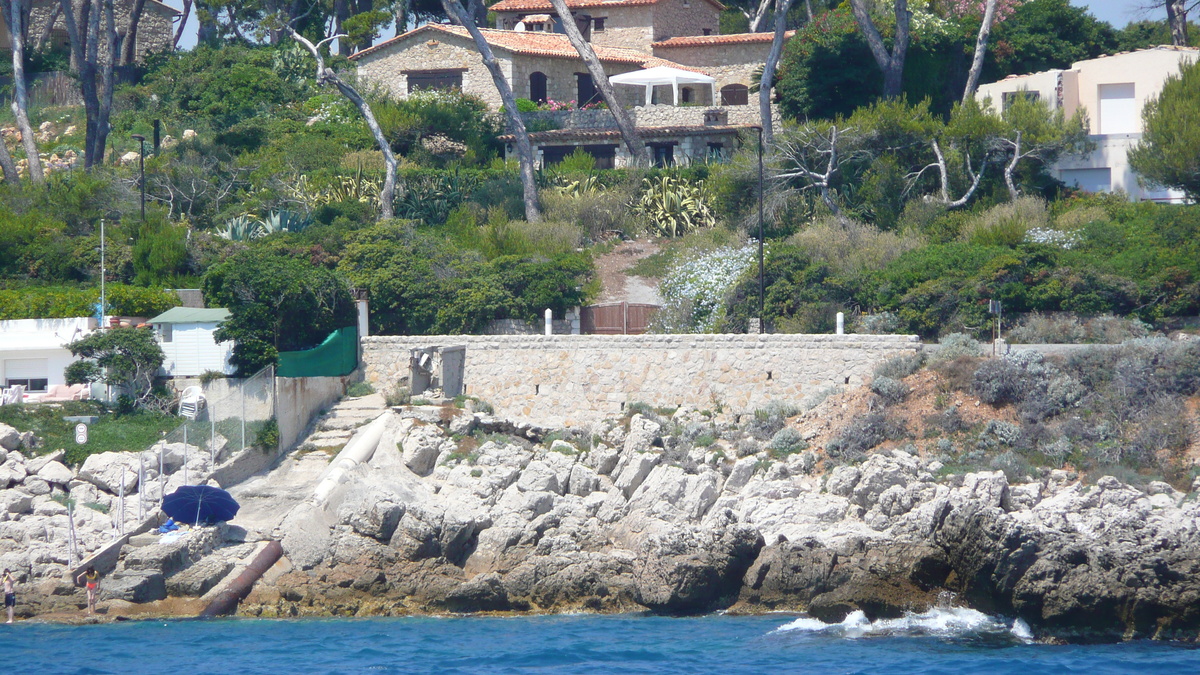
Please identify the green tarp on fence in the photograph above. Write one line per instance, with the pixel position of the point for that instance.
(336, 356)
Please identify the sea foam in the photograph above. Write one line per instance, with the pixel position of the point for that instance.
(945, 622)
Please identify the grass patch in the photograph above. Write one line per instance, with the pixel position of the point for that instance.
(111, 433)
(358, 389)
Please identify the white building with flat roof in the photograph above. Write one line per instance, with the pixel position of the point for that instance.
(1112, 91)
(34, 354)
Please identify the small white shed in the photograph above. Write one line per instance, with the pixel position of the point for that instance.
(186, 337)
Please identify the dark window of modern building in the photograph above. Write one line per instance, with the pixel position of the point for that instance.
(537, 87)
(434, 79)
(1009, 96)
(585, 90)
(735, 94)
(31, 384)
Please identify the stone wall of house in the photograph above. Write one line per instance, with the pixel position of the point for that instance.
(568, 379)
(388, 67)
(629, 27)
(561, 84)
(730, 64)
(155, 28)
(655, 116)
(677, 18)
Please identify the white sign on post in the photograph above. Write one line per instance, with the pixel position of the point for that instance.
(81, 433)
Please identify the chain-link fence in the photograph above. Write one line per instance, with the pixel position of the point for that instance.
(236, 415)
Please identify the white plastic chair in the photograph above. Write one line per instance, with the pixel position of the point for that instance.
(191, 403)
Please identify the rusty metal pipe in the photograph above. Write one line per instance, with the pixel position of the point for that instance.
(227, 600)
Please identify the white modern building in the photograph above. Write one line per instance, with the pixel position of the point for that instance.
(1112, 91)
(34, 354)
(186, 337)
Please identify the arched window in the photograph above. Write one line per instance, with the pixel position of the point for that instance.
(537, 87)
(735, 94)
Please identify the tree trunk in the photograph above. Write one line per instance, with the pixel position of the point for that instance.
(1010, 167)
(107, 76)
(45, 34)
(183, 19)
(18, 33)
(981, 43)
(766, 85)
(8, 165)
(944, 175)
(629, 134)
(759, 20)
(206, 33)
(516, 125)
(129, 53)
(1177, 22)
(387, 194)
(891, 64)
(341, 12)
(365, 6)
(84, 54)
(808, 9)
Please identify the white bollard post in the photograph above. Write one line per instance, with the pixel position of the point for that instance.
(841, 323)
(549, 322)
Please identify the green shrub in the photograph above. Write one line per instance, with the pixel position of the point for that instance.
(358, 389)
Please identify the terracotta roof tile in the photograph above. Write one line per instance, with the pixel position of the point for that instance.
(716, 40)
(536, 43)
(544, 5)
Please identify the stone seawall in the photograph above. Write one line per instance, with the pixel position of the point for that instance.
(578, 379)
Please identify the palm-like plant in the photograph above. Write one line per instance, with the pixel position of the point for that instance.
(673, 207)
(241, 228)
(284, 221)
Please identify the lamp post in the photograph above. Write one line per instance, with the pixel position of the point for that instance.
(761, 286)
(142, 170)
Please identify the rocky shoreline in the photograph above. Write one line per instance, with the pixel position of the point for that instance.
(437, 510)
(618, 520)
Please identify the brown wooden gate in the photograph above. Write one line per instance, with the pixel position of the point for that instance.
(617, 318)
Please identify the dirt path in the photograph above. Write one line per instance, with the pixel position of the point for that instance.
(620, 287)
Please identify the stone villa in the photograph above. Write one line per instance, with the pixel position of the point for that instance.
(155, 30)
(679, 122)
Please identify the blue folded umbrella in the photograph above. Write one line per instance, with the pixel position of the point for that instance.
(200, 504)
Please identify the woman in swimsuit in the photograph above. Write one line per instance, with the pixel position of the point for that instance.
(10, 594)
(93, 580)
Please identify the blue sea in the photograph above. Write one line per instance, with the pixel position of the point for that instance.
(943, 641)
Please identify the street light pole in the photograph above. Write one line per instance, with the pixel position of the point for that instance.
(142, 170)
(761, 286)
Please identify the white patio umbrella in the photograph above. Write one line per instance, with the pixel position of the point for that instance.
(663, 75)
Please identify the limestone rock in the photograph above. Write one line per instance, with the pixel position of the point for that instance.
(35, 464)
(583, 481)
(199, 578)
(109, 470)
(165, 558)
(638, 466)
(421, 447)
(55, 473)
(137, 587)
(10, 438)
(539, 476)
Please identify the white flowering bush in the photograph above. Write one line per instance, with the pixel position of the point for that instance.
(1052, 237)
(695, 289)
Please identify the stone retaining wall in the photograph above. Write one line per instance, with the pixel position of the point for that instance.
(576, 379)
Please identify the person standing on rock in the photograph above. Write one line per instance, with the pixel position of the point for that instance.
(10, 594)
(93, 581)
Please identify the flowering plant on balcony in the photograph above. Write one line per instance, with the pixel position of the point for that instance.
(551, 104)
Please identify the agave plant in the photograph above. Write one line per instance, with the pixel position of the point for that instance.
(241, 228)
(284, 221)
(673, 207)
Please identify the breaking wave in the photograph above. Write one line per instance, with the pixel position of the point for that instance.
(941, 622)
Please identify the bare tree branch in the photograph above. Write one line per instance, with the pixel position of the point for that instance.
(326, 76)
(981, 43)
